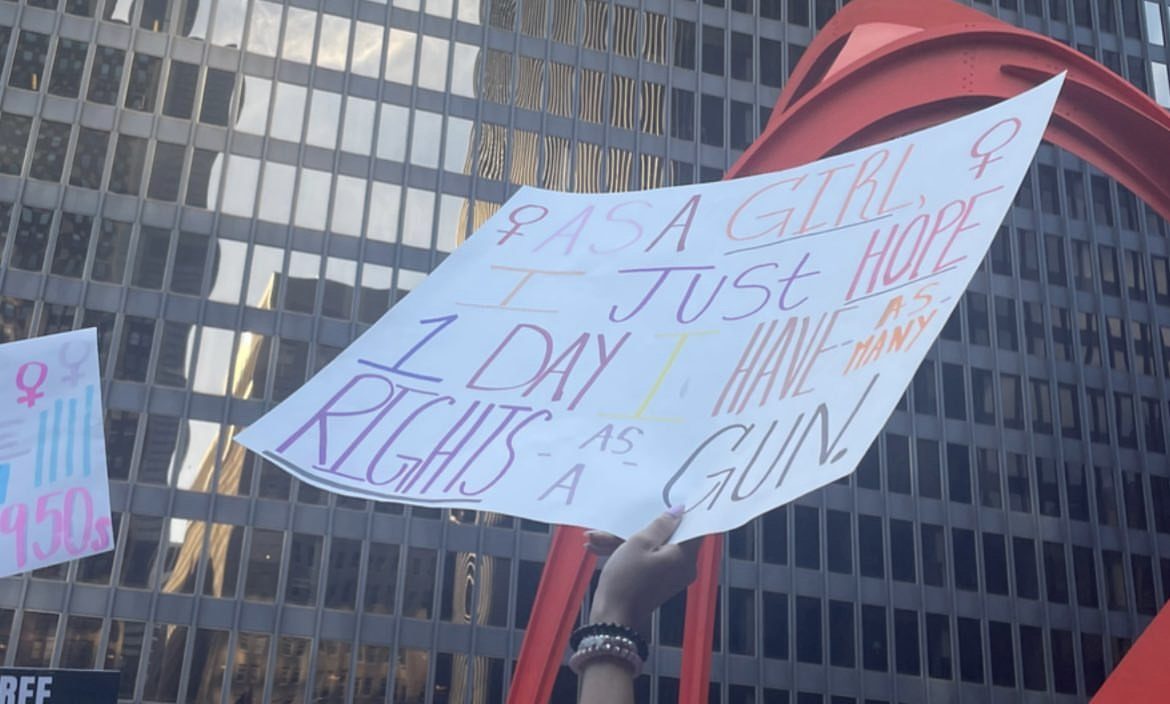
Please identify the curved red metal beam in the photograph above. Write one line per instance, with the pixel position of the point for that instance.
(945, 61)
(880, 69)
(884, 68)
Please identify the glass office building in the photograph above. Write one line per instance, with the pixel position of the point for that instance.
(231, 190)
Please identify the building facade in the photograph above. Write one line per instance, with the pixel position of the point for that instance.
(230, 191)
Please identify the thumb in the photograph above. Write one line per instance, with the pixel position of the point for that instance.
(660, 529)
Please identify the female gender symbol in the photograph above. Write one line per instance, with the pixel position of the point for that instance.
(74, 365)
(31, 393)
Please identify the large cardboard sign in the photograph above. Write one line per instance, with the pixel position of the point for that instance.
(54, 489)
(591, 359)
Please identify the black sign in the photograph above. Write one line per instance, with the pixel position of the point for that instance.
(58, 686)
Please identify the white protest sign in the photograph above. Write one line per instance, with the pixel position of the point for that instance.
(54, 490)
(591, 359)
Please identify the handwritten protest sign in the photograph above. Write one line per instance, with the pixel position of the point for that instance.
(54, 490)
(591, 359)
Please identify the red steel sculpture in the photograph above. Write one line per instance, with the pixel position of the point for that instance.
(878, 70)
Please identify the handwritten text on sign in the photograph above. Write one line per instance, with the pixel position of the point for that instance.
(590, 359)
(54, 490)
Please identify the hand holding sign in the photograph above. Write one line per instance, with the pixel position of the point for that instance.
(54, 493)
(593, 359)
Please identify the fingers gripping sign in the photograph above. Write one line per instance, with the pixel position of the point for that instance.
(642, 572)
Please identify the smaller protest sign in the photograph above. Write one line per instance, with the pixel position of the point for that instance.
(54, 490)
(19, 686)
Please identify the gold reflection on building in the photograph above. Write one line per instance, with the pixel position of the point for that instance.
(523, 157)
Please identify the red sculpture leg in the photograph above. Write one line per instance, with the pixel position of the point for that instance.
(697, 638)
(1142, 675)
(562, 587)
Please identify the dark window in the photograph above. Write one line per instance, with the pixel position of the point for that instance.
(938, 646)
(1098, 415)
(741, 616)
(106, 75)
(199, 177)
(906, 657)
(129, 159)
(870, 546)
(933, 559)
(1092, 661)
(970, 650)
(1107, 512)
(68, 68)
(151, 258)
(1054, 260)
(1135, 500)
(807, 537)
(89, 158)
(1003, 670)
(1113, 569)
(774, 529)
(166, 172)
(995, 563)
(868, 472)
(32, 238)
(682, 114)
(1000, 253)
(898, 463)
(983, 397)
(49, 154)
(711, 121)
(839, 541)
(1048, 487)
(1041, 406)
(954, 396)
(741, 56)
(963, 548)
(1029, 254)
(1018, 484)
(142, 90)
(978, 320)
(1070, 410)
(29, 63)
(925, 391)
(741, 128)
(1082, 265)
(1126, 420)
(1032, 655)
(1145, 598)
(112, 248)
(873, 636)
(1055, 573)
(14, 132)
(1013, 400)
(808, 630)
(217, 97)
(1160, 498)
(902, 562)
(771, 63)
(841, 634)
(155, 15)
(1143, 347)
(987, 470)
(1085, 571)
(684, 44)
(713, 50)
(181, 86)
(1062, 334)
(958, 473)
(134, 353)
(775, 625)
(72, 245)
(1024, 561)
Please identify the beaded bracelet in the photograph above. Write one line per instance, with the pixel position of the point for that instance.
(610, 629)
(607, 647)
